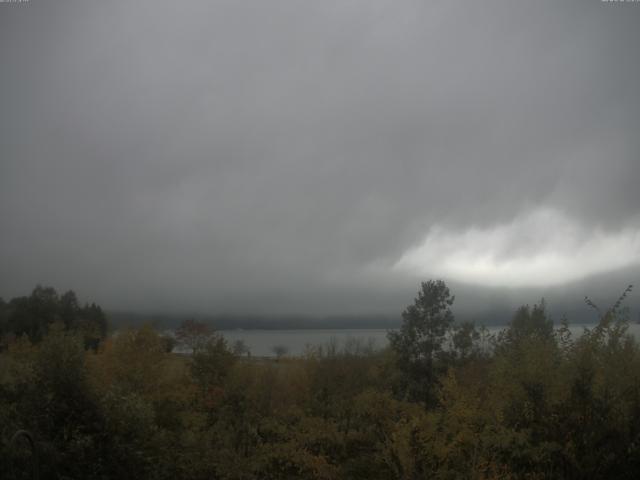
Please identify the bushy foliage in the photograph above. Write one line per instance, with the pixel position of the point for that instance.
(540, 403)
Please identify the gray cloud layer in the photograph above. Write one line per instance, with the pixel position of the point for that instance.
(254, 156)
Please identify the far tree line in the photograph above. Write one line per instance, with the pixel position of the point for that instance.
(33, 316)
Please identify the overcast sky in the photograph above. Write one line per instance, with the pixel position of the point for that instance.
(321, 157)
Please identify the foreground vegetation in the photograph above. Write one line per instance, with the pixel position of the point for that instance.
(443, 401)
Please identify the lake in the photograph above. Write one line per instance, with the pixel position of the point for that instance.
(261, 342)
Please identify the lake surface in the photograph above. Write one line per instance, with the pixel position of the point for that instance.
(296, 342)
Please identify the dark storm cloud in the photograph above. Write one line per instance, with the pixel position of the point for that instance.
(263, 156)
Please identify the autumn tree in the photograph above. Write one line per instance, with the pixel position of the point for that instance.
(211, 362)
(194, 334)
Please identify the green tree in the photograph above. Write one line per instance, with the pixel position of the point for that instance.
(531, 322)
(418, 344)
(33, 316)
(92, 323)
(465, 340)
(4, 322)
(69, 309)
